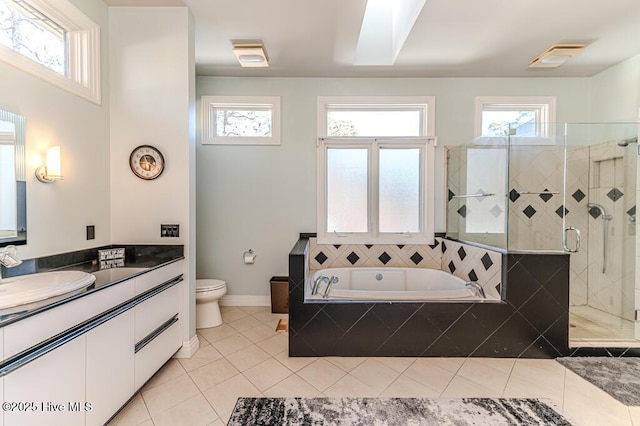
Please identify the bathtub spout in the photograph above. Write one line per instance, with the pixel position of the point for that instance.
(478, 288)
(332, 281)
(316, 284)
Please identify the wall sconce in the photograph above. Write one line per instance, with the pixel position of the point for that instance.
(50, 171)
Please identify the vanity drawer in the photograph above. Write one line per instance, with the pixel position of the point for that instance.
(30, 331)
(156, 352)
(158, 276)
(153, 312)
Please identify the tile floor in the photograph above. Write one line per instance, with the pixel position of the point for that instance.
(593, 327)
(246, 357)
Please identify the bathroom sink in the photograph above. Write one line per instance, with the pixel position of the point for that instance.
(25, 289)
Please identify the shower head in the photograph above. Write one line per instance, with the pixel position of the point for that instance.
(625, 142)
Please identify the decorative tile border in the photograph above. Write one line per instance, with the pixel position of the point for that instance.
(465, 261)
(366, 255)
(472, 263)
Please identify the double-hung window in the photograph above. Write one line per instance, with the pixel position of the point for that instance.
(375, 170)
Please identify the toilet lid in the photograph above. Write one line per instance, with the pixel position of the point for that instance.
(209, 285)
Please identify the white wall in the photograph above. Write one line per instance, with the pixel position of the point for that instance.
(57, 214)
(615, 93)
(152, 93)
(263, 197)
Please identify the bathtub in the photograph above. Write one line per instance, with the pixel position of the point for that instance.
(389, 284)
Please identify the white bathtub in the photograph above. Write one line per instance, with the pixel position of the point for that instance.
(391, 284)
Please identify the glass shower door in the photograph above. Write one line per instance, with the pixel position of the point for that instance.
(601, 189)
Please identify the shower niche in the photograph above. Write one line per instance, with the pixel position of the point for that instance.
(573, 193)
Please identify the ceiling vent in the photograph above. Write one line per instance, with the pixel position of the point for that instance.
(556, 55)
(251, 55)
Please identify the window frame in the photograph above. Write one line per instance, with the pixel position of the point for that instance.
(426, 142)
(544, 106)
(211, 103)
(82, 75)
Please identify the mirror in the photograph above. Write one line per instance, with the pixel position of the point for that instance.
(13, 182)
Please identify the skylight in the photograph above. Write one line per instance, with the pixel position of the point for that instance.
(385, 27)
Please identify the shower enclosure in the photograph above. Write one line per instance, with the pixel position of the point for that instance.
(572, 192)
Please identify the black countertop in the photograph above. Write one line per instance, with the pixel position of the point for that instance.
(138, 260)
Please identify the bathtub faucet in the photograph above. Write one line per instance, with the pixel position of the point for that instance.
(478, 288)
(332, 281)
(316, 284)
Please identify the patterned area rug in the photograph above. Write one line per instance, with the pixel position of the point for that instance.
(619, 377)
(393, 411)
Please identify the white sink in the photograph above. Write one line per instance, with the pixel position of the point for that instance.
(25, 289)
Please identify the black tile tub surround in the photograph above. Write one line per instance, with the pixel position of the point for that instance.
(532, 323)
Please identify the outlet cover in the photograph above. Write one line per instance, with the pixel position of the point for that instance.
(91, 232)
(171, 231)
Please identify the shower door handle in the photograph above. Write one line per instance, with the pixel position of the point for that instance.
(564, 240)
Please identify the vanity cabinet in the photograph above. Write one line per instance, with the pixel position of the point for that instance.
(110, 367)
(41, 390)
(93, 353)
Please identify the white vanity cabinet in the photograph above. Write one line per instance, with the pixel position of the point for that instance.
(110, 362)
(39, 392)
(91, 354)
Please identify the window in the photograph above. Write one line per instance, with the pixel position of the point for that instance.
(239, 120)
(53, 41)
(375, 170)
(523, 119)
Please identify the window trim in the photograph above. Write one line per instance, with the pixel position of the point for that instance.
(209, 105)
(83, 52)
(426, 141)
(546, 105)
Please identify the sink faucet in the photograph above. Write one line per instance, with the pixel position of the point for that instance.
(9, 258)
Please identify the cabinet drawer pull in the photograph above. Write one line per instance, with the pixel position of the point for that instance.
(155, 333)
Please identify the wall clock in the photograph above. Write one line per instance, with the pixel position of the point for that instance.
(146, 162)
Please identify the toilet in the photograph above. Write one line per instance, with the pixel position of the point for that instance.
(208, 292)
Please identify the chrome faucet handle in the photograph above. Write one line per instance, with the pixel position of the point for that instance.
(332, 281)
(316, 284)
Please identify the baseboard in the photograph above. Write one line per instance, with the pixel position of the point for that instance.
(189, 348)
(244, 300)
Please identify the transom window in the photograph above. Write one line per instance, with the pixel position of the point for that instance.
(29, 32)
(522, 118)
(375, 170)
(54, 41)
(241, 120)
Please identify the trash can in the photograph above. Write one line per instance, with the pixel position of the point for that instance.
(280, 295)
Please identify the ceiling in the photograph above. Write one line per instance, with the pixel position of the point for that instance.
(450, 38)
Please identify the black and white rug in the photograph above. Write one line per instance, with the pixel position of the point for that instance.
(393, 411)
(619, 377)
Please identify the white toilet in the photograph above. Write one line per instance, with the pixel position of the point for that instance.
(208, 292)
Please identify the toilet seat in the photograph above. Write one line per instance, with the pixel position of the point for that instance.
(203, 286)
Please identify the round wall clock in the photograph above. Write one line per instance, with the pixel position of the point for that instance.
(146, 162)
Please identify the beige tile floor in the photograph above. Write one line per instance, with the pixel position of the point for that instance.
(592, 327)
(246, 357)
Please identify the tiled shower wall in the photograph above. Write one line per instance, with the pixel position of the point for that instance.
(465, 261)
(612, 185)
